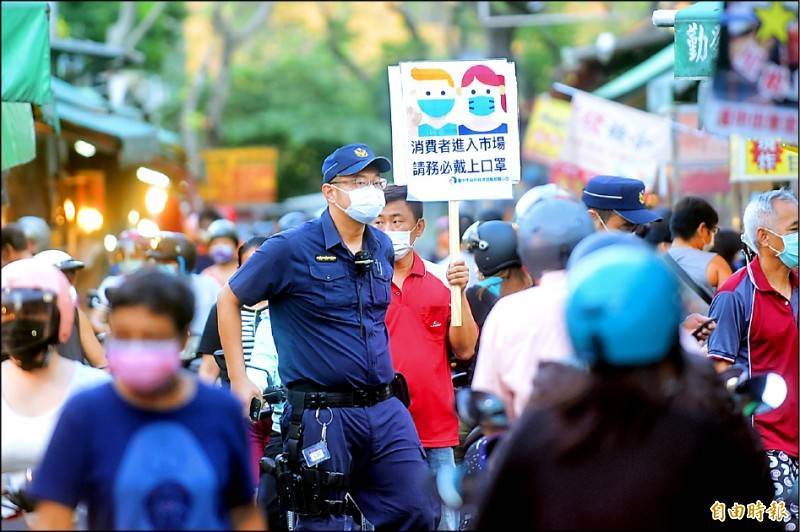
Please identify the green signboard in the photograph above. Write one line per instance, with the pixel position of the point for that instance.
(697, 33)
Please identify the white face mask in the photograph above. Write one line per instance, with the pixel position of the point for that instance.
(401, 242)
(365, 203)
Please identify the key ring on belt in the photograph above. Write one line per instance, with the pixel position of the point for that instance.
(316, 416)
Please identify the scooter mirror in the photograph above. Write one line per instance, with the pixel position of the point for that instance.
(478, 408)
(761, 393)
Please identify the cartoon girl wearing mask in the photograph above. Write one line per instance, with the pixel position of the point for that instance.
(436, 97)
(482, 88)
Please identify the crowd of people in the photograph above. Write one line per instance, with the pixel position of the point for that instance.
(610, 332)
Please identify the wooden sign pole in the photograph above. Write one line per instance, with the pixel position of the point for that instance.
(455, 254)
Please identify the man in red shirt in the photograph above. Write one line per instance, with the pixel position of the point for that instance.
(756, 312)
(418, 321)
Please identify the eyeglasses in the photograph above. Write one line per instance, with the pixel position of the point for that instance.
(363, 182)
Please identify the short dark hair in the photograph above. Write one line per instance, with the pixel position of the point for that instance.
(14, 236)
(209, 213)
(400, 193)
(688, 214)
(162, 293)
(253, 242)
(658, 232)
(727, 244)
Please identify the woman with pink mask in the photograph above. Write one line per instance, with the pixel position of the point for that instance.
(483, 88)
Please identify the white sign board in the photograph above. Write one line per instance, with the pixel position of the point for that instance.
(455, 131)
(606, 137)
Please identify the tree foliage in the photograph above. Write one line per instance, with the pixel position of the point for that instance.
(308, 92)
(91, 20)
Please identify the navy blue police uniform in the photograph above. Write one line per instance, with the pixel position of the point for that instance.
(328, 325)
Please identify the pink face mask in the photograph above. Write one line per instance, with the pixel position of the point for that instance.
(143, 365)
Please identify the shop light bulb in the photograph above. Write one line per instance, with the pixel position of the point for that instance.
(89, 219)
(155, 200)
(147, 228)
(152, 177)
(69, 210)
(84, 148)
(110, 243)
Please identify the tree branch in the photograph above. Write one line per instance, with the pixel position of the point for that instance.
(190, 105)
(116, 33)
(230, 42)
(410, 23)
(334, 40)
(256, 22)
(144, 26)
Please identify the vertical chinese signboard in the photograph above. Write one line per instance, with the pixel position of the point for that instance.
(697, 35)
(455, 133)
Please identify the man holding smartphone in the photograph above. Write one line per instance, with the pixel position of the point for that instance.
(756, 309)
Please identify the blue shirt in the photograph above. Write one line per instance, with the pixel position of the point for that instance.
(327, 320)
(140, 469)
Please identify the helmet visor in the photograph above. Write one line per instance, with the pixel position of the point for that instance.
(29, 319)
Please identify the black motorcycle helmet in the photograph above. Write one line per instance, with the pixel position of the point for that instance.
(174, 246)
(37, 311)
(494, 246)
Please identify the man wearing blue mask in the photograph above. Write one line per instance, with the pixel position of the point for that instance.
(436, 96)
(345, 426)
(175, 253)
(756, 313)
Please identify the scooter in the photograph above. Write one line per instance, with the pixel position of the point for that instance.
(15, 501)
(458, 487)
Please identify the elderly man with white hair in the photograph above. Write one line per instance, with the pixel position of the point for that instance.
(756, 312)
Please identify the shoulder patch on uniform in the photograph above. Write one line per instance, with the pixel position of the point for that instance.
(326, 258)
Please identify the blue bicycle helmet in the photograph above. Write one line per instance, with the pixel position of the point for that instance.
(623, 307)
(601, 240)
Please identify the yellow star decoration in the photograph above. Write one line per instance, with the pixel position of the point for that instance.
(775, 21)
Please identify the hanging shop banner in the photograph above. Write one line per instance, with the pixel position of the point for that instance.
(755, 89)
(240, 175)
(606, 137)
(762, 160)
(547, 130)
(455, 132)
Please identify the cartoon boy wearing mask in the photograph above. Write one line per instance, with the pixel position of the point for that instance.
(435, 94)
(483, 88)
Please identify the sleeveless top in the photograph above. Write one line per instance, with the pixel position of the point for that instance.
(694, 262)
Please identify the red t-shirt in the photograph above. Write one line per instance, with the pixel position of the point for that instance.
(418, 321)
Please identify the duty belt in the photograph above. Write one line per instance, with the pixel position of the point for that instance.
(362, 397)
(304, 396)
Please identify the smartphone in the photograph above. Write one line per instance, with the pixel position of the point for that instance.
(255, 408)
(696, 332)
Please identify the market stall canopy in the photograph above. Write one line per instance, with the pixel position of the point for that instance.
(639, 75)
(86, 108)
(25, 77)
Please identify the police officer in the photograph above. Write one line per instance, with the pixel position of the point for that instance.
(328, 284)
(617, 203)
